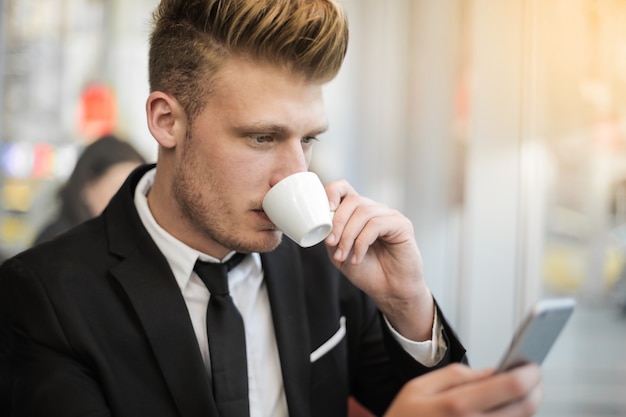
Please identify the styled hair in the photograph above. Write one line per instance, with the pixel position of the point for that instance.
(191, 39)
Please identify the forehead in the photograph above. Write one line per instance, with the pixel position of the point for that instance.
(247, 73)
(263, 90)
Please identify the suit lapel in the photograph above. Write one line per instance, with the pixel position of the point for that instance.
(161, 309)
(285, 286)
(145, 276)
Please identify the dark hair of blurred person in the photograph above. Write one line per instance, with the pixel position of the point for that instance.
(99, 172)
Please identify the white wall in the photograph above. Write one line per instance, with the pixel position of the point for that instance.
(396, 127)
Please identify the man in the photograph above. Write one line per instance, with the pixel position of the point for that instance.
(109, 319)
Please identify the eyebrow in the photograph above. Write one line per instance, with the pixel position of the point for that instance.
(274, 127)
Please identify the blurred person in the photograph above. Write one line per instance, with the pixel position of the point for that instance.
(99, 172)
(113, 319)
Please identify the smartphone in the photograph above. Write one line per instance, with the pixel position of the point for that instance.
(535, 336)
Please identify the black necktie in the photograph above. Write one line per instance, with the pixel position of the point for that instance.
(227, 341)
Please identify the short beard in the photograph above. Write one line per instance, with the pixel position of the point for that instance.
(204, 216)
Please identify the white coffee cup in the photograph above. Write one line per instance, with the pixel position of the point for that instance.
(298, 206)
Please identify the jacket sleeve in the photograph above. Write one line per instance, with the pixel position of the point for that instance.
(407, 368)
(41, 373)
(381, 366)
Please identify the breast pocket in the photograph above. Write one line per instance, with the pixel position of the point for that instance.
(331, 343)
(329, 373)
(330, 358)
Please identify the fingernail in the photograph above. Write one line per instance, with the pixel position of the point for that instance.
(338, 255)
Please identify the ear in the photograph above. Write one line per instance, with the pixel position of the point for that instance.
(166, 119)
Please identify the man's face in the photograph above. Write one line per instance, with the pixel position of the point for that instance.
(258, 127)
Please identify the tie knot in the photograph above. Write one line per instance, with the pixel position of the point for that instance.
(215, 275)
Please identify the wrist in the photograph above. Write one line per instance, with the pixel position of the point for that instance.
(413, 317)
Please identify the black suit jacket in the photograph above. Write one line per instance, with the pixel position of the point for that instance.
(93, 324)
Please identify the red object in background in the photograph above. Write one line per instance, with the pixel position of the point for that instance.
(97, 112)
(43, 161)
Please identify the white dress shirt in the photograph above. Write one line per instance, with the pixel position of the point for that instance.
(249, 293)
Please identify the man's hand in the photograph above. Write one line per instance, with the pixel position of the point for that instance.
(375, 247)
(459, 391)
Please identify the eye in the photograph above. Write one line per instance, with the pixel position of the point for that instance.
(261, 138)
(309, 139)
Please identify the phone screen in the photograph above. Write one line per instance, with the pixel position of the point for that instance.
(537, 333)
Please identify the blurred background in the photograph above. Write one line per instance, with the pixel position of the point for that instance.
(497, 126)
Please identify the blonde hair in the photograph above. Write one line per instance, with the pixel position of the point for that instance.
(192, 38)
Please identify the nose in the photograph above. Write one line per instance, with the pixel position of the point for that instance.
(292, 158)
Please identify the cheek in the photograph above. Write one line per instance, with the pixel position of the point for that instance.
(229, 169)
(308, 155)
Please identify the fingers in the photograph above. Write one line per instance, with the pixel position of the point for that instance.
(525, 407)
(336, 191)
(444, 379)
(436, 393)
(457, 390)
(514, 393)
(358, 222)
(523, 388)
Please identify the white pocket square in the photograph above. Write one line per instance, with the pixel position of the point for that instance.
(332, 342)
